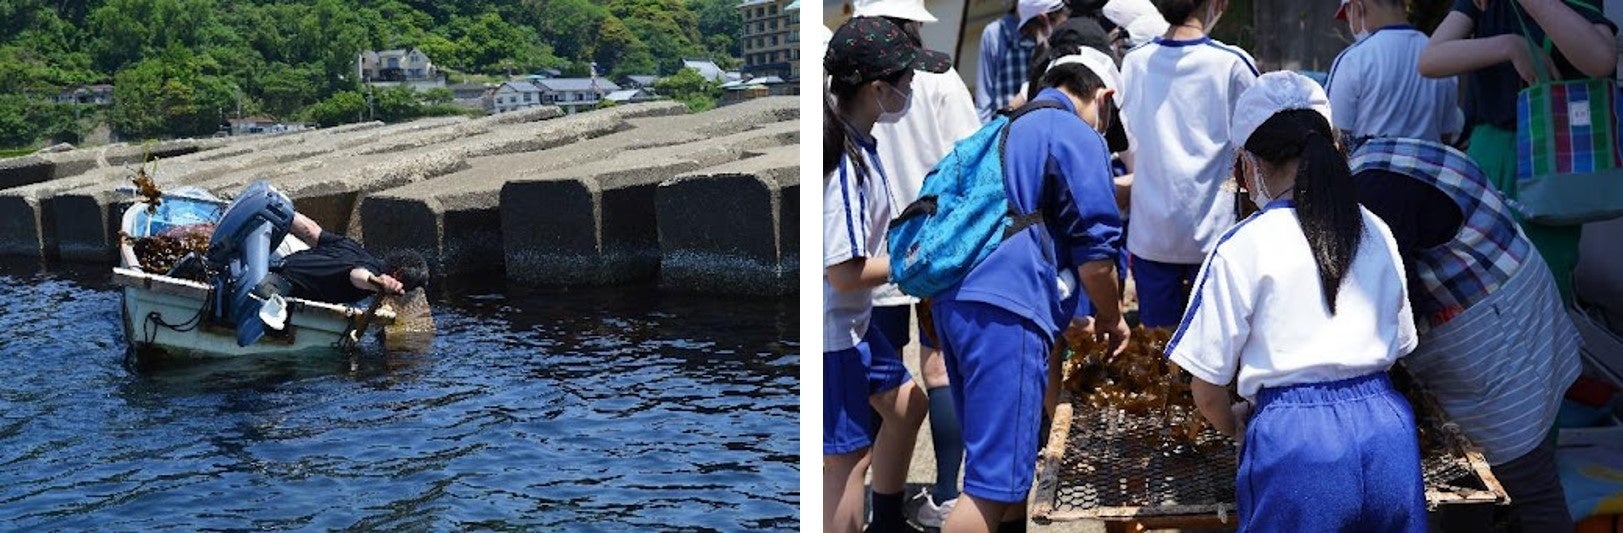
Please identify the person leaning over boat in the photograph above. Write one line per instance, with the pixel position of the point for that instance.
(1304, 305)
(336, 269)
(1496, 346)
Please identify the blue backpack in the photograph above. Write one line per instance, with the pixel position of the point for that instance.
(963, 213)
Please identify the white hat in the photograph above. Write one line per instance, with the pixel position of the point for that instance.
(1274, 92)
(1096, 61)
(1124, 12)
(819, 34)
(902, 9)
(1029, 9)
(1145, 29)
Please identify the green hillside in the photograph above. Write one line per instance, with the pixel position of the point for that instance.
(179, 67)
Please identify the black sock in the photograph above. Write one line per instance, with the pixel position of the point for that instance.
(887, 512)
(1018, 526)
(948, 440)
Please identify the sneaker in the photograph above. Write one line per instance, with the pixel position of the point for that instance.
(930, 514)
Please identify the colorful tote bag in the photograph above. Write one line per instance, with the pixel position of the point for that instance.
(1569, 159)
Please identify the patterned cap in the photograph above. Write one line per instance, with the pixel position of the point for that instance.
(869, 48)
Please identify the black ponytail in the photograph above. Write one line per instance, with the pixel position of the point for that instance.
(1326, 202)
(837, 138)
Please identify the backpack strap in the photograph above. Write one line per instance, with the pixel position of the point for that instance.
(1021, 221)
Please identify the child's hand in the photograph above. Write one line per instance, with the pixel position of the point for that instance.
(1242, 414)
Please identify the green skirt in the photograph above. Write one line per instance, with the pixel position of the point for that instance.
(1494, 150)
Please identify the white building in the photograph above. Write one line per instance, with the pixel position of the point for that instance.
(575, 94)
(513, 96)
(408, 65)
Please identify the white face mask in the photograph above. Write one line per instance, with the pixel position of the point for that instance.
(1363, 26)
(1259, 188)
(891, 117)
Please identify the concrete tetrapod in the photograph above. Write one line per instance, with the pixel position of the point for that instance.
(730, 229)
(453, 221)
(87, 218)
(595, 223)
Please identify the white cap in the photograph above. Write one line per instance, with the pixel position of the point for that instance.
(1274, 92)
(1096, 61)
(1124, 12)
(1146, 29)
(1029, 9)
(902, 9)
(819, 34)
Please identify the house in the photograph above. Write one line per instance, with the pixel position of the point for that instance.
(639, 81)
(574, 94)
(409, 65)
(252, 125)
(706, 68)
(470, 95)
(90, 94)
(629, 96)
(547, 73)
(513, 96)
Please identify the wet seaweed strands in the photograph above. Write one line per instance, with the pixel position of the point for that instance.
(160, 253)
(1141, 381)
(144, 186)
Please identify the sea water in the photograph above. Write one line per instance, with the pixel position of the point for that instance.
(600, 409)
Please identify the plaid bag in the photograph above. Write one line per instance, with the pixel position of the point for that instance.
(1569, 161)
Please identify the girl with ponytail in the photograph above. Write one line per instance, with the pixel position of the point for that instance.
(1302, 308)
(869, 64)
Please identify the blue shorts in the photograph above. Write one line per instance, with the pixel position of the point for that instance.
(997, 362)
(1333, 456)
(1163, 291)
(850, 376)
(893, 321)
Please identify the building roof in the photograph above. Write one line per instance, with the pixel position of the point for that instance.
(747, 3)
(643, 79)
(576, 84)
(766, 80)
(793, 6)
(624, 95)
(706, 68)
(521, 86)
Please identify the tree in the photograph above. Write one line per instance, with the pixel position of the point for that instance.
(691, 88)
(341, 108)
(175, 94)
(719, 19)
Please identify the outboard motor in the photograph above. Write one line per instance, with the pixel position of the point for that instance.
(240, 252)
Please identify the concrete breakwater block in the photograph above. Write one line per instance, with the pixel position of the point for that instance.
(595, 223)
(453, 220)
(36, 168)
(723, 229)
(332, 195)
(25, 170)
(87, 219)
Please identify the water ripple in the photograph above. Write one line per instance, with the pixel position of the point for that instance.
(536, 409)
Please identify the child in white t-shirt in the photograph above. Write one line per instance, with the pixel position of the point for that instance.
(1179, 92)
(870, 64)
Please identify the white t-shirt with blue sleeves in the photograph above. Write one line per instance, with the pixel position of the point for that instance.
(1176, 101)
(1257, 313)
(856, 212)
(1376, 89)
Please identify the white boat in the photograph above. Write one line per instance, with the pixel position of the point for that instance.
(172, 315)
